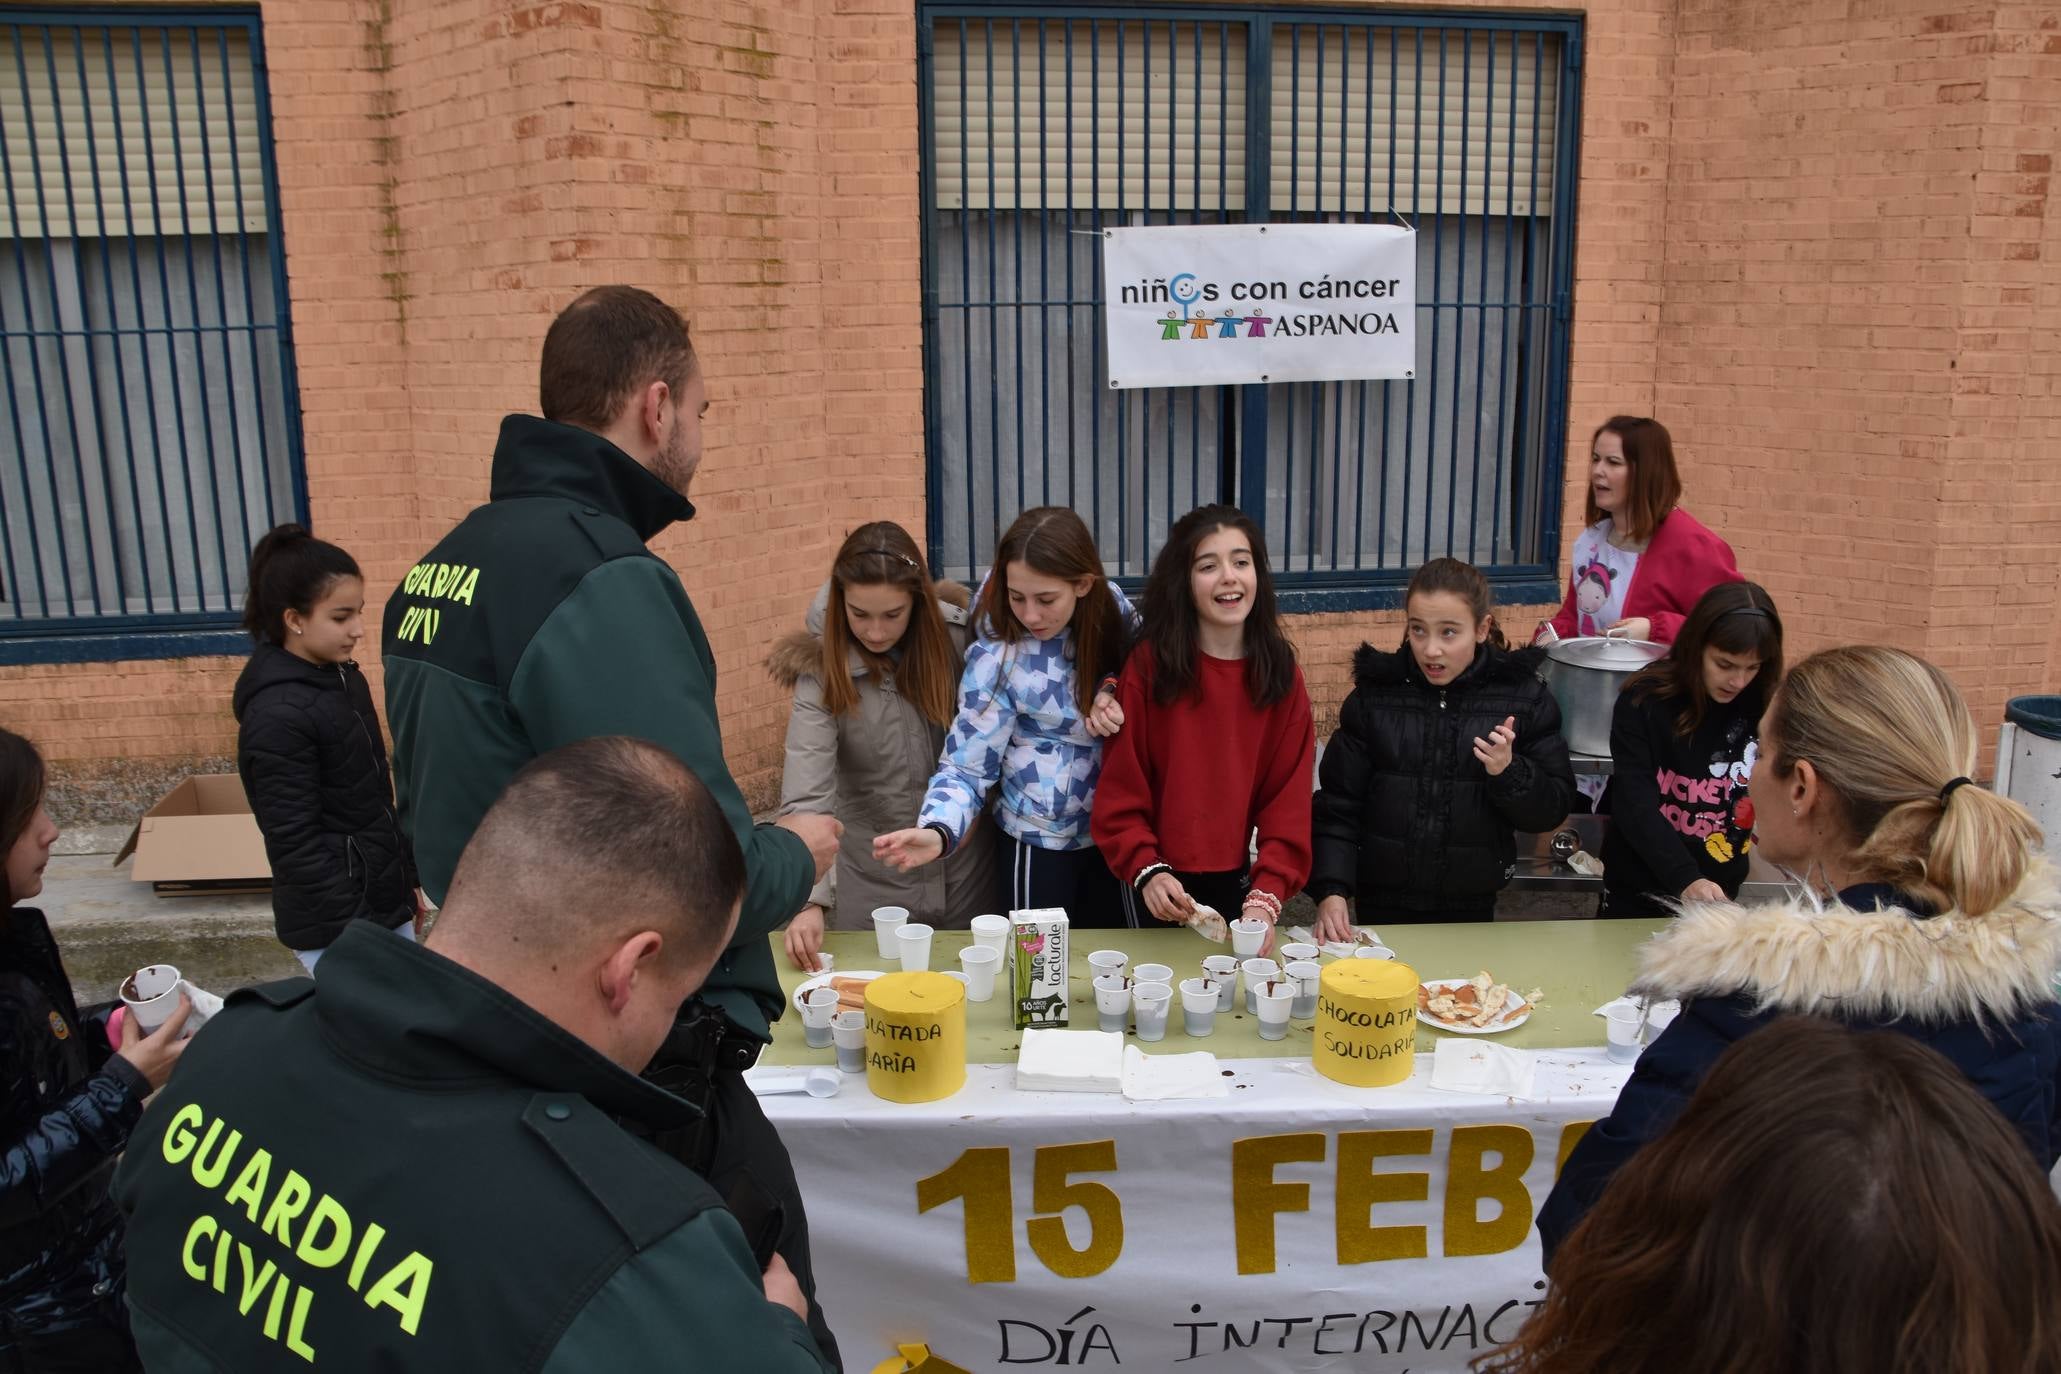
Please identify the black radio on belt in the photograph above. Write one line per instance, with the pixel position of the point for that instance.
(702, 1043)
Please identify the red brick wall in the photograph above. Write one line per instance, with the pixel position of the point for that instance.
(1859, 244)
(1818, 248)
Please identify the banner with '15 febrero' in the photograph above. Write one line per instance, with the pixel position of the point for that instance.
(1227, 304)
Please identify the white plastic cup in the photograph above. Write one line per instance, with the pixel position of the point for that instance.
(962, 980)
(1107, 961)
(1150, 1002)
(1297, 954)
(1257, 971)
(1113, 1003)
(1154, 973)
(825, 962)
(992, 932)
(1276, 1002)
(151, 994)
(1621, 1029)
(848, 1031)
(887, 920)
(1198, 1006)
(913, 944)
(1222, 970)
(1248, 936)
(979, 963)
(1373, 952)
(1305, 973)
(818, 1006)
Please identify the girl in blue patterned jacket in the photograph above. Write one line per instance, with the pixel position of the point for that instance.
(1033, 710)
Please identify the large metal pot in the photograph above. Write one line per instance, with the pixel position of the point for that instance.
(1585, 675)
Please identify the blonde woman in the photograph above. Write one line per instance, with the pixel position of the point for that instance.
(1928, 911)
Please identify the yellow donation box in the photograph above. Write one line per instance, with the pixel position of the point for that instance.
(915, 1036)
(1366, 1022)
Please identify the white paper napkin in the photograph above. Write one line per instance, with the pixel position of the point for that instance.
(1070, 1061)
(1165, 1077)
(1337, 949)
(1473, 1065)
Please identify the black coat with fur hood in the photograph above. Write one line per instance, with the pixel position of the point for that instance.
(1978, 989)
(1406, 819)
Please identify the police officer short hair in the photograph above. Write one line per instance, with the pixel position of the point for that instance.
(606, 347)
(614, 820)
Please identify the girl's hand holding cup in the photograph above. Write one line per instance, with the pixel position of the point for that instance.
(1260, 911)
(904, 850)
(153, 1055)
(1495, 751)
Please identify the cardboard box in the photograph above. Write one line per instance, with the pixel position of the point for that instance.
(1037, 967)
(201, 838)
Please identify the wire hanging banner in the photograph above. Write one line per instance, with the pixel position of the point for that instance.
(1229, 304)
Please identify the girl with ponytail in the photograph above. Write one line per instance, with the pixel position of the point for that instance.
(310, 752)
(1926, 907)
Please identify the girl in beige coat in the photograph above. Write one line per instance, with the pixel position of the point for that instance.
(875, 680)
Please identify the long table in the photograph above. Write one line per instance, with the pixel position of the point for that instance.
(1292, 1224)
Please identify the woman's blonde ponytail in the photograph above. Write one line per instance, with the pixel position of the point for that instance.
(1892, 738)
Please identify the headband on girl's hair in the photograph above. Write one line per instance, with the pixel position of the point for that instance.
(1745, 610)
(900, 557)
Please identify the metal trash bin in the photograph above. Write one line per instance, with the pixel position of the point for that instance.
(2029, 762)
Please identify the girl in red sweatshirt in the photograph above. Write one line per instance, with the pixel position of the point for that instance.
(1217, 740)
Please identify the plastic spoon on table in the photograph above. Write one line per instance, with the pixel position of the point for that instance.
(816, 1082)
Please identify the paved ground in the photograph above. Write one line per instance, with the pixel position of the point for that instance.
(108, 926)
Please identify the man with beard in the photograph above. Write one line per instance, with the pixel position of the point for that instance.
(541, 620)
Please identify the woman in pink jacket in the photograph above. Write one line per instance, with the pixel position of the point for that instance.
(1643, 563)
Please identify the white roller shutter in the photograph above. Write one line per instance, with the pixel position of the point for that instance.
(1155, 111)
(159, 137)
(1348, 102)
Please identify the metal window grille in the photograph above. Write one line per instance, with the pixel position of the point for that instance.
(1041, 129)
(151, 407)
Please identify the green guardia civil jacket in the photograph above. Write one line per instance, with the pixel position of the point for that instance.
(542, 619)
(404, 1168)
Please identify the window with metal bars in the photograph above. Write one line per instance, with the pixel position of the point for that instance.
(1040, 129)
(151, 414)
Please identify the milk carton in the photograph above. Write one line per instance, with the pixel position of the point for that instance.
(1037, 967)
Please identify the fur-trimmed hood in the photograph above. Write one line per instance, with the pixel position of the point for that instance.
(1866, 965)
(1374, 667)
(801, 653)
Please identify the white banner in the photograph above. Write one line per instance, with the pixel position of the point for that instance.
(1211, 305)
(1294, 1225)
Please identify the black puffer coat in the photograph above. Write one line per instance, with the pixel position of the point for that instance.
(1407, 819)
(315, 769)
(68, 1110)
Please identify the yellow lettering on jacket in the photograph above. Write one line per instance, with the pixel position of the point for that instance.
(249, 1273)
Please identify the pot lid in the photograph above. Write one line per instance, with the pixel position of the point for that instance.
(1612, 655)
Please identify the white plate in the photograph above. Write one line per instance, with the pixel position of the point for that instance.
(1437, 985)
(822, 980)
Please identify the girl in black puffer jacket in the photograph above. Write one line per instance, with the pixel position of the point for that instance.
(310, 753)
(1444, 749)
(68, 1102)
